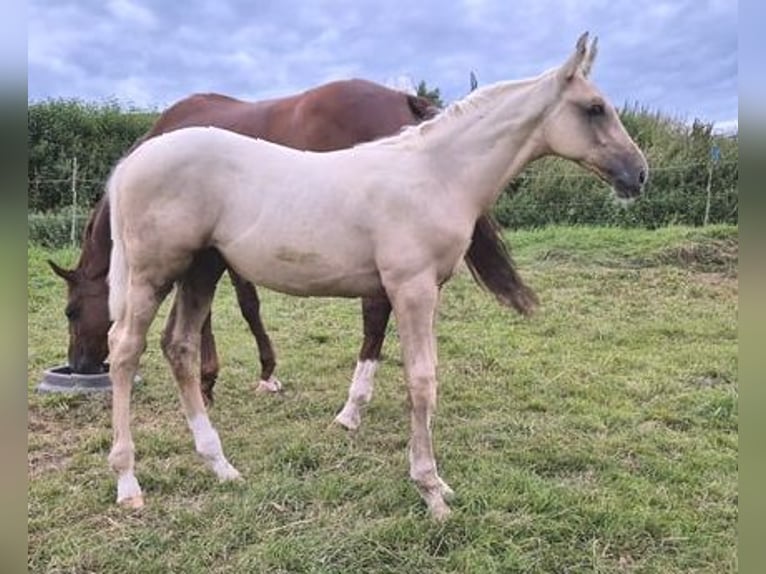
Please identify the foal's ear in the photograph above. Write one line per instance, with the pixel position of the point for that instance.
(575, 61)
(66, 274)
(588, 62)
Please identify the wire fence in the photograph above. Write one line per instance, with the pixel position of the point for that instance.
(535, 197)
(582, 175)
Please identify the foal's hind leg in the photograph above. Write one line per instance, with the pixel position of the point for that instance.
(208, 360)
(208, 353)
(251, 311)
(375, 314)
(181, 348)
(207, 267)
(127, 340)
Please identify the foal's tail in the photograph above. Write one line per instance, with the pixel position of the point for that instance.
(118, 265)
(491, 265)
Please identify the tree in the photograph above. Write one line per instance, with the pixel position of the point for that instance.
(430, 94)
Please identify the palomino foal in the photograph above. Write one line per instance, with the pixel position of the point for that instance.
(391, 217)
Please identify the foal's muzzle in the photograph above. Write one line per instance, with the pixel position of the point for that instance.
(627, 175)
(629, 184)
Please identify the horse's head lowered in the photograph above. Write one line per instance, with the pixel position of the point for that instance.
(88, 318)
(583, 126)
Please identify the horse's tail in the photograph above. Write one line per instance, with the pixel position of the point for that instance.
(490, 263)
(118, 265)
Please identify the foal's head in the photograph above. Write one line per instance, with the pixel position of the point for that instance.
(583, 126)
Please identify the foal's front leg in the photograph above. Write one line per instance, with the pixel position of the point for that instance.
(414, 304)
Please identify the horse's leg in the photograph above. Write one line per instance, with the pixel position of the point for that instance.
(194, 295)
(208, 265)
(375, 314)
(127, 341)
(414, 304)
(208, 354)
(250, 307)
(209, 360)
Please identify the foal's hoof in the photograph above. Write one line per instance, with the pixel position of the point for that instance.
(434, 496)
(271, 386)
(350, 420)
(445, 490)
(226, 473)
(132, 502)
(439, 511)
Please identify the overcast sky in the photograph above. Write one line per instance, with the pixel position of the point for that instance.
(679, 57)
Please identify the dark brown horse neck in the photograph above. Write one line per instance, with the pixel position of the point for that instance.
(96, 245)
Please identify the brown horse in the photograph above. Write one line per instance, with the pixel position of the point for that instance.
(330, 117)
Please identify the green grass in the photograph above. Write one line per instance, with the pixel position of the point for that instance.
(598, 436)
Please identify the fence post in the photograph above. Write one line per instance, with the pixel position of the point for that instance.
(708, 189)
(74, 201)
(715, 157)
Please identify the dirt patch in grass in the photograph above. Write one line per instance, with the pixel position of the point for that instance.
(718, 256)
(702, 250)
(46, 451)
(41, 462)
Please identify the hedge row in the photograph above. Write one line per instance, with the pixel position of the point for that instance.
(54, 230)
(60, 131)
(685, 161)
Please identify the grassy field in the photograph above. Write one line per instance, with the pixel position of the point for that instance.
(600, 435)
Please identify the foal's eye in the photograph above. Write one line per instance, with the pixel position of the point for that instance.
(71, 313)
(596, 109)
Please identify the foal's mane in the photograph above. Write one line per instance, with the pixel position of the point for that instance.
(473, 101)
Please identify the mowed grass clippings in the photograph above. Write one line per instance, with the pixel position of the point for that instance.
(600, 435)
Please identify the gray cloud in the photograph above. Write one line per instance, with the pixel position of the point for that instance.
(680, 57)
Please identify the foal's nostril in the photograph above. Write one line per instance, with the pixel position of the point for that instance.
(642, 177)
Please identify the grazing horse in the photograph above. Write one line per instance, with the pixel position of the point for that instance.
(392, 217)
(330, 117)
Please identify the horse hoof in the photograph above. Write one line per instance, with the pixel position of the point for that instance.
(445, 490)
(132, 502)
(440, 511)
(228, 474)
(348, 420)
(434, 495)
(271, 386)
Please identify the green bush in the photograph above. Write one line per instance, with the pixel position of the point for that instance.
(54, 229)
(551, 191)
(61, 130)
(554, 191)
